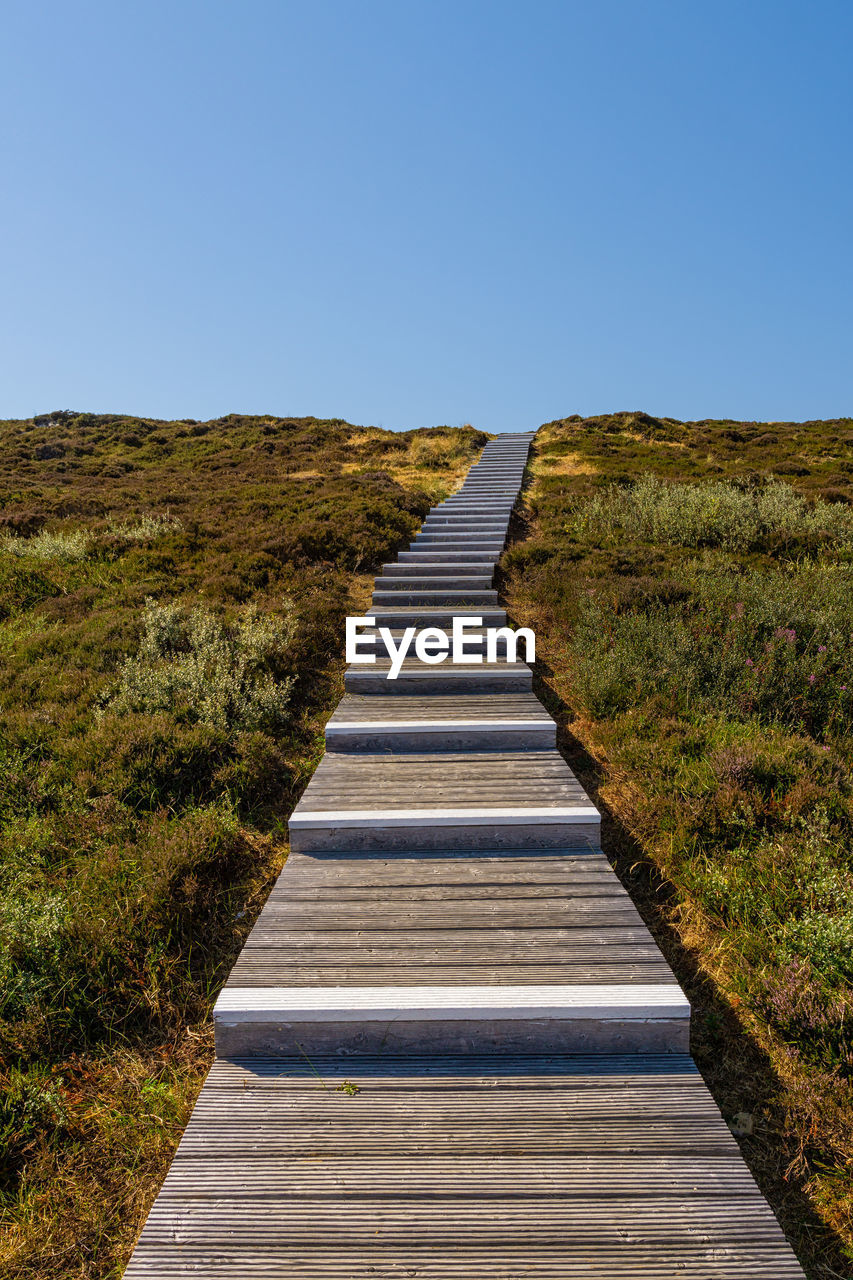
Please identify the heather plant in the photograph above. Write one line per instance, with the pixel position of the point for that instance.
(712, 514)
(692, 592)
(776, 644)
(160, 712)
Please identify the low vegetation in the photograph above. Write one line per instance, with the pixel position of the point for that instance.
(691, 585)
(172, 597)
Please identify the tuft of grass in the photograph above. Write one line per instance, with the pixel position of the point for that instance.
(145, 529)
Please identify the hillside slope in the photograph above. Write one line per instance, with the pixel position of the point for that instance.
(691, 585)
(172, 597)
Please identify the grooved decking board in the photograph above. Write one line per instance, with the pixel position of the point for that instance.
(449, 920)
(566, 1168)
(471, 779)
(508, 706)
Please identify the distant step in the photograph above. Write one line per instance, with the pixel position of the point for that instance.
(464, 526)
(460, 501)
(456, 541)
(461, 570)
(435, 723)
(423, 580)
(444, 555)
(469, 524)
(412, 594)
(449, 678)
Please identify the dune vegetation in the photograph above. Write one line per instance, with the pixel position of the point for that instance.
(172, 597)
(691, 585)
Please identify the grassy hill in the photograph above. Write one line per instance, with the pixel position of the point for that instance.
(691, 584)
(172, 597)
(171, 605)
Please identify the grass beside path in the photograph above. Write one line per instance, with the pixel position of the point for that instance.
(172, 597)
(691, 586)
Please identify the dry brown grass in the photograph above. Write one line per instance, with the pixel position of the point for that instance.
(568, 464)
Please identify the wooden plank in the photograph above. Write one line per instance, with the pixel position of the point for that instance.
(580, 1169)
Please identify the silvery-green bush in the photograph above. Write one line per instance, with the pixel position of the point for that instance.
(145, 529)
(193, 663)
(64, 547)
(711, 514)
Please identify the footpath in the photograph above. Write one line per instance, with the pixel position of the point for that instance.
(450, 1047)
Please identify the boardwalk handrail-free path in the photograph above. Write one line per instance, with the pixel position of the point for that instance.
(450, 1047)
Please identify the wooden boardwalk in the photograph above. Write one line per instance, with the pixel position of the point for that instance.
(450, 1047)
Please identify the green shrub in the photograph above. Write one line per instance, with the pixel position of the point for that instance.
(825, 940)
(711, 514)
(145, 529)
(192, 663)
(31, 929)
(46, 545)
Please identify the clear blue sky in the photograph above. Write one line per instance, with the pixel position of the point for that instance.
(411, 213)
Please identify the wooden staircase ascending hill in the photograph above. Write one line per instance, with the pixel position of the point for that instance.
(450, 1047)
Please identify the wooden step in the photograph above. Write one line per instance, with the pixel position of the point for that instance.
(576, 1018)
(549, 917)
(453, 940)
(465, 526)
(452, 541)
(462, 502)
(464, 521)
(438, 547)
(445, 555)
(449, 678)
(447, 800)
(415, 594)
(412, 577)
(436, 723)
(460, 570)
(474, 529)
